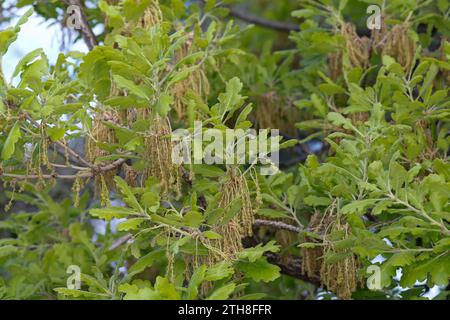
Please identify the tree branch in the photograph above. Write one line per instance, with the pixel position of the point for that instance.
(276, 25)
(277, 225)
(88, 174)
(72, 153)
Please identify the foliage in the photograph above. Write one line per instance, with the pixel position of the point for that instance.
(88, 181)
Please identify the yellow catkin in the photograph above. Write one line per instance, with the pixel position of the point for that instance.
(131, 175)
(241, 224)
(101, 134)
(399, 45)
(232, 232)
(356, 49)
(158, 155)
(76, 188)
(152, 15)
(197, 82)
(335, 65)
(340, 277)
(274, 112)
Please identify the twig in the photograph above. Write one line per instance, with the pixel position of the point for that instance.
(46, 176)
(62, 145)
(89, 174)
(277, 225)
(276, 25)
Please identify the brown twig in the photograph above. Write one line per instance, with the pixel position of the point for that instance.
(46, 176)
(72, 153)
(276, 25)
(87, 174)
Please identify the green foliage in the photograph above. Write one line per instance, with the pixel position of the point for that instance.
(377, 193)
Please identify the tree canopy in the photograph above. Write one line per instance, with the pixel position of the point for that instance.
(356, 204)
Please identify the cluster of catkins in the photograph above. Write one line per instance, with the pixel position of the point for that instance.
(197, 83)
(275, 112)
(357, 51)
(340, 277)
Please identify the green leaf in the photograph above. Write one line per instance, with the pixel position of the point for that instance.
(193, 219)
(165, 289)
(7, 250)
(56, 133)
(402, 259)
(259, 270)
(80, 293)
(130, 86)
(163, 104)
(358, 206)
(195, 281)
(339, 120)
(25, 60)
(331, 89)
(222, 293)
(150, 201)
(128, 196)
(271, 213)
(231, 99)
(219, 271)
(10, 143)
(145, 262)
(7, 37)
(317, 201)
(303, 13)
(254, 253)
(211, 235)
(130, 224)
(208, 170)
(112, 212)
(181, 75)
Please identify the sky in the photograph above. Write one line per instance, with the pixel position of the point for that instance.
(34, 34)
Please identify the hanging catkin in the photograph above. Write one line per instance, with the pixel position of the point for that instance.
(152, 15)
(197, 82)
(240, 226)
(275, 112)
(158, 154)
(101, 134)
(356, 49)
(340, 277)
(400, 46)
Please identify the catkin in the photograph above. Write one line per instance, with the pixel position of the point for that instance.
(400, 46)
(100, 133)
(340, 277)
(158, 155)
(197, 82)
(274, 112)
(152, 15)
(357, 49)
(240, 225)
